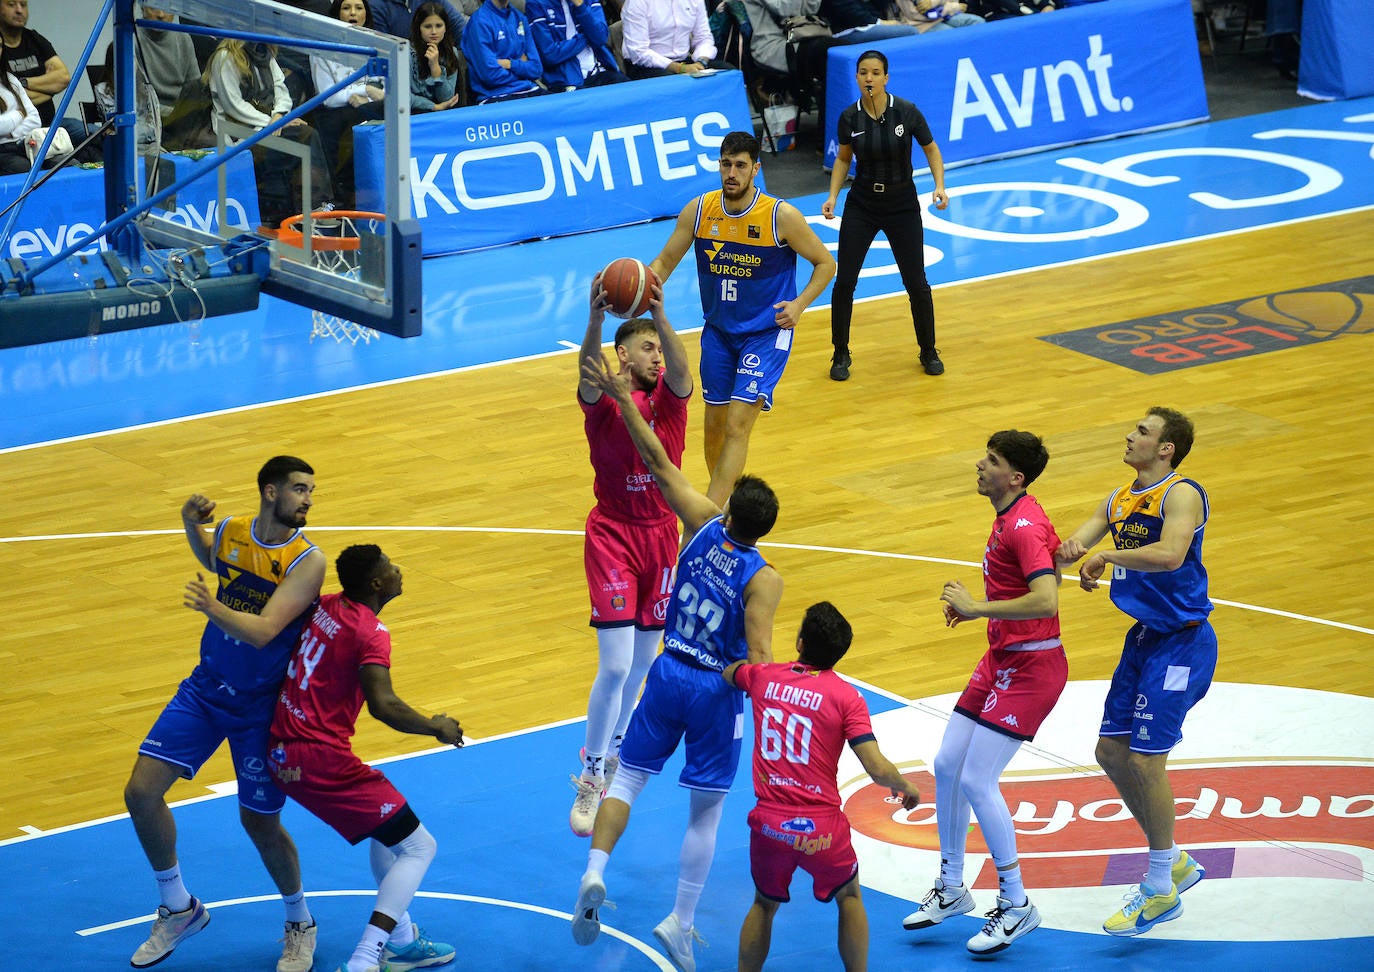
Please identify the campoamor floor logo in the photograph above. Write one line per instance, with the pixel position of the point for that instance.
(1274, 788)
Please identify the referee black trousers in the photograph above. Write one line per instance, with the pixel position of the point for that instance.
(897, 214)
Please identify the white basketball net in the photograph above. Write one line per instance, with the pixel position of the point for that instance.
(344, 263)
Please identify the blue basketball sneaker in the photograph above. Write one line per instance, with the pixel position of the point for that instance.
(419, 954)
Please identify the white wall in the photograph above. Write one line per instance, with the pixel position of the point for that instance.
(67, 24)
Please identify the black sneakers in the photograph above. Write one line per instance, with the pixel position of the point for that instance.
(930, 361)
(839, 366)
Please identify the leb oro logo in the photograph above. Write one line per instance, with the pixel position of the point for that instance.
(1266, 820)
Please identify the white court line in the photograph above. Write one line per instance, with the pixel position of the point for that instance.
(659, 961)
(686, 330)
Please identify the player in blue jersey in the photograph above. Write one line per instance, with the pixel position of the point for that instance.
(724, 599)
(269, 576)
(1156, 523)
(746, 245)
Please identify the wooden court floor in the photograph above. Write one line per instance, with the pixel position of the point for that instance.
(478, 483)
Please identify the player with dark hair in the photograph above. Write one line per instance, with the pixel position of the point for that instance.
(746, 244)
(269, 575)
(631, 532)
(1170, 655)
(804, 713)
(724, 598)
(879, 129)
(344, 659)
(1010, 694)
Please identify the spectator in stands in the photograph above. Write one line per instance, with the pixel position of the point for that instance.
(667, 37)
(167, 58)
(797, 70)
(928, 15)
(32, 59)
(359, 102)
(435, 71)
(572, 39)
(503, 62)
(397, 16)
(18, 117)
(247, 87)
(147, 110)
(858, 22)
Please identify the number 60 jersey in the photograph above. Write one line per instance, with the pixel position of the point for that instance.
(705, 625)
(743, 267)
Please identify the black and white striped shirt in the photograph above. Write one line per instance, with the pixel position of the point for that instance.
(882, 145)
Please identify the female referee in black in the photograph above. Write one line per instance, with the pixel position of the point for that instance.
(879, 129)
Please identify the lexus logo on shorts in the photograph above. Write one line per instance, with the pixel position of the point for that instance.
(254, 764)
(1141, 702)
(751, 361)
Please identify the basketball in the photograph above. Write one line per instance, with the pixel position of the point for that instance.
(629, 285)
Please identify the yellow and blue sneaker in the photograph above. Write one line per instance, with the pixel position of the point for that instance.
(1187, 871)
(1143, 911)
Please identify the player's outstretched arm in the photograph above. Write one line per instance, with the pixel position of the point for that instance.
(1183, 514)
(591, 341)
(197, 515)
(289, 601)
(692, 507)
(387, 707)
(884, 773)
(762, 595)
(679, 242)
(1086, 537)
(677, 369)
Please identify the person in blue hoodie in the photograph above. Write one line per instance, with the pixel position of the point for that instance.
(572, 37)
(503, 62)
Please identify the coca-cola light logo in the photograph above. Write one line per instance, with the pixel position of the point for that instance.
(1274, 790)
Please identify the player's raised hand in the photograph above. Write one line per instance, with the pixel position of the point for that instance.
(597, 373)
(198, 509)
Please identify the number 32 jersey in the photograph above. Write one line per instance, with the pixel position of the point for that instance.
(743, 266)
(705, 624)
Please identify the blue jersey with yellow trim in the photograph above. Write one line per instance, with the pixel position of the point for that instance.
(1160, 600)
(249, 572)
(706, 615)
(743, 267)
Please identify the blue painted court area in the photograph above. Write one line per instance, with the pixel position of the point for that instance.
(505, 880)
(507, 303)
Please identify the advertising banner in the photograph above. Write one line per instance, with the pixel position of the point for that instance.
(1036, 82)
(559, 164)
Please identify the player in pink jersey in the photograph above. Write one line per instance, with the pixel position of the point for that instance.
(804, 713)
(631, 534)
(344, 659)
(1010, 694)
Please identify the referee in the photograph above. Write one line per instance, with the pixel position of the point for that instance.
(878, 129)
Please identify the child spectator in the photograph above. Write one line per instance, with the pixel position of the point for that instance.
(435, 72)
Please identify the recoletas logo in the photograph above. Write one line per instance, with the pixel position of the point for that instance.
(1266, 813)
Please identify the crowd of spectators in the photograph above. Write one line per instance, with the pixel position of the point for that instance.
(463, 52)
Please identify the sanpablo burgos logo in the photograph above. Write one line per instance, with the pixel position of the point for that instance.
(972, 99)
(601, 161)
(1269, 814)
(45, 241)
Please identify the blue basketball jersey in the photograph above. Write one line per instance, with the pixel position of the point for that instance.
(249, 572)
(1160, 600)
(705, 625)
(743, 266)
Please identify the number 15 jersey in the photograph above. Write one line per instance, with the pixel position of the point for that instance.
(743, 266)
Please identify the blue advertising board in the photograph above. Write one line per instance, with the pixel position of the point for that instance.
(558, 164)
(1029, 83)
(70, 205)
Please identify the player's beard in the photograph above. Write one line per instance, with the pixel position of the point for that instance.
(292, 521)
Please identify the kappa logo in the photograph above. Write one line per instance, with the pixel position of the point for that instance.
(1010, 720)
(1021, 522)
(1269, 825)
(386, 808)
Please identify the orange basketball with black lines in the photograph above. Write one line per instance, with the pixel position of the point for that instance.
(629, 285)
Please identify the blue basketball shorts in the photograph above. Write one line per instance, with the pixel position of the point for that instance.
(743, 367)
(680, 701)
(1160, 677)
(205, 712)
